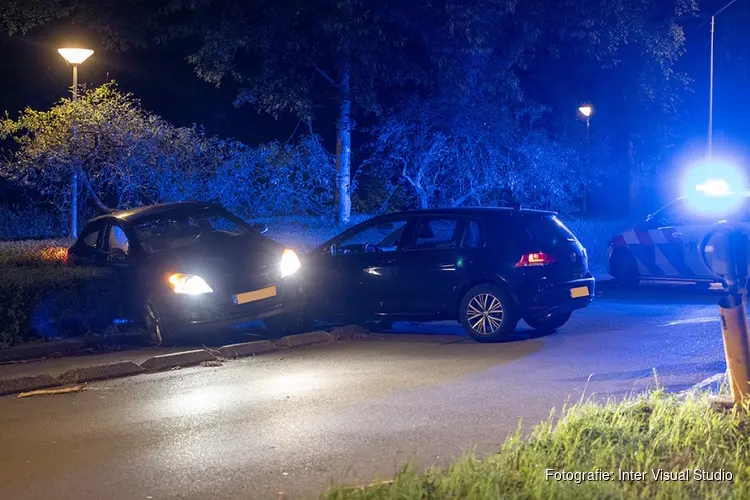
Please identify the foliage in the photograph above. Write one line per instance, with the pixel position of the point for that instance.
(487, 146)
(515, 70)
(128, 157)
(47, 299)
(595, 235)
(31, 253)
(276, 179)
(109, 139)
(28, 221)
(644, 433)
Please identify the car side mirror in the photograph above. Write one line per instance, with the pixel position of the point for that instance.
(333, 250)
(260, 227)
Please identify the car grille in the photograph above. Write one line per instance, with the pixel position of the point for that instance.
(234, 311)
(241, 282)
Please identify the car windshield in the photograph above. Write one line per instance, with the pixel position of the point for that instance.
(697, 209)
(180, 230)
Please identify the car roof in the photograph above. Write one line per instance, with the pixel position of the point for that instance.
(472, 211)
(743, 194)
(139, 213)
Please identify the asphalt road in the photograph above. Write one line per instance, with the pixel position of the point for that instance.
(349, 412)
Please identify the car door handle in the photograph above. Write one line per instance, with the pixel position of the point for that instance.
(677, 235)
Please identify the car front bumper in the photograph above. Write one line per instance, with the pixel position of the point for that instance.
(193, 315)
(562, 297)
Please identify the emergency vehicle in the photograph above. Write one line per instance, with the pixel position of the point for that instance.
(681, 241)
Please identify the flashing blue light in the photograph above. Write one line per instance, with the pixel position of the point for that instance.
(714, 188)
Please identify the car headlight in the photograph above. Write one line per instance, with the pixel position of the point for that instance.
(189, 284)
(290, 263)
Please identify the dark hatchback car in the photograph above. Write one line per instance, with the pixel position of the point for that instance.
(485, 267)
(192, 268)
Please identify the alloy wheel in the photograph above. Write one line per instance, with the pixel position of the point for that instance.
(485, 313)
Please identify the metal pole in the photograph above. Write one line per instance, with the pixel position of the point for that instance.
(711, 96)
(74, 203)
(588, 162)
(733, 312)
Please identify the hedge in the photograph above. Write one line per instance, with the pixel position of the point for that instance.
(41, 300)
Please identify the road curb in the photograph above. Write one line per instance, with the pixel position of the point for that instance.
(28, 383)
(100, 372)
(41, 349)
(247, 349)
(349, 332)
(175, 360)
(168, 361)
(303, 339)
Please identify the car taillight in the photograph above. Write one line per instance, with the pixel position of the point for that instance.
(535, 259)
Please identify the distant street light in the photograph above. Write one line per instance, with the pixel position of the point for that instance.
(75, 57)
(711, 86)
(586, 110)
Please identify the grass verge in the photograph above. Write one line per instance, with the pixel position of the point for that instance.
(649, 433)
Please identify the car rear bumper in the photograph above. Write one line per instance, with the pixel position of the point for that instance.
(562, 297)
(206, 314)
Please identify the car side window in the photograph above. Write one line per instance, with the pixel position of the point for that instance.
(118, 241)
(382, 237)
(90, 238)
(438, 233)
(472, 235)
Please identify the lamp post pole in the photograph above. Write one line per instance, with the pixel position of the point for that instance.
(74, 185)
(711, 85)
(711, 96)
(586, 111)
(75, 57)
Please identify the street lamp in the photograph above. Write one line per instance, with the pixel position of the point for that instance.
(711, 85)
(586, 110)
(75, 57)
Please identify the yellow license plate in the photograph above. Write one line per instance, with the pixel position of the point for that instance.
(578, 292)
(263, 293)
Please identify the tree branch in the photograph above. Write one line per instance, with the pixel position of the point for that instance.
(104, 208)
(323, 74)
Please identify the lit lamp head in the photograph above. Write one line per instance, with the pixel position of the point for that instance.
(586, 110)
(75, 56)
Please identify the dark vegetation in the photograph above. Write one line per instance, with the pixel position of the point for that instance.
(43, 298)
(441, 103)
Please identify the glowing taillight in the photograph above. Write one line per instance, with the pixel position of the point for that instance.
(535, 259)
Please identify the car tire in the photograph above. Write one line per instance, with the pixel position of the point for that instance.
(623, 268)
(547, 323)
(159, 331)
(501, 315)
